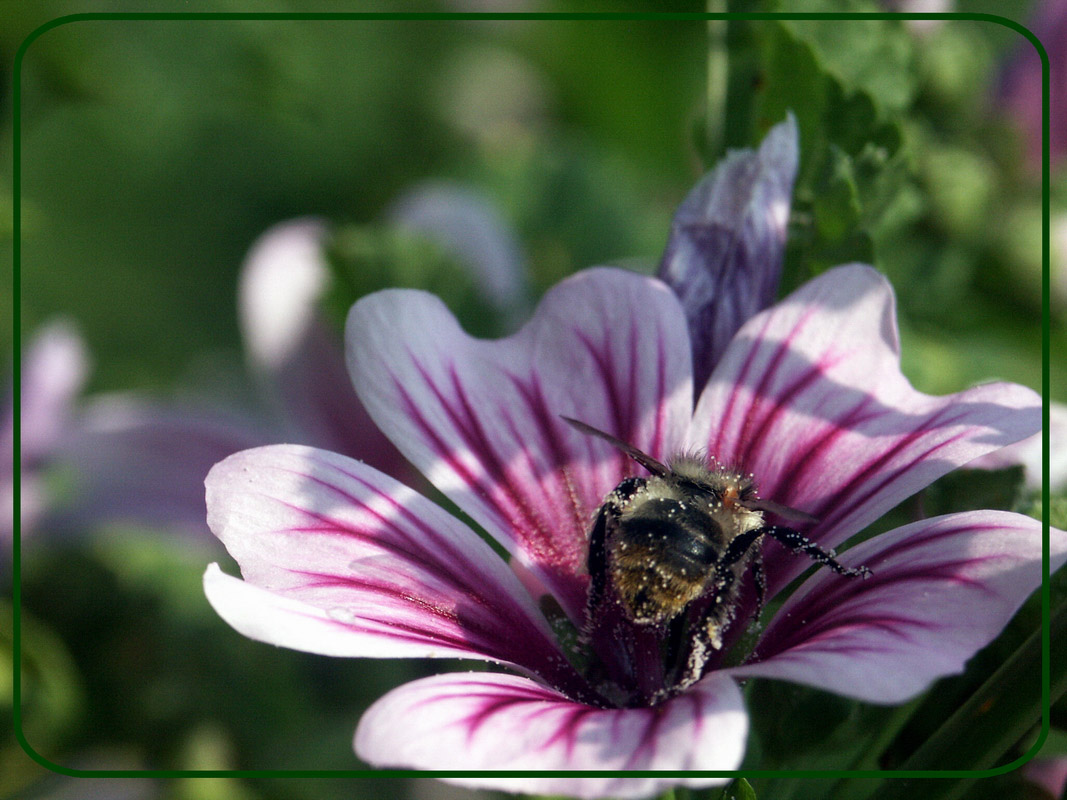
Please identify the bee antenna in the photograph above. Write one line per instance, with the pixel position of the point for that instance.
(645, 460)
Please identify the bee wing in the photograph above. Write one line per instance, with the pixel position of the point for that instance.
(785, 512)
(645, 460)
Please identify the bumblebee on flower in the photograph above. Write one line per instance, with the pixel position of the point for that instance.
(806, 395)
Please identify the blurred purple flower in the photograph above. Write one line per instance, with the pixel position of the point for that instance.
(1048, 773)
(1020, 84)
(339, 559)
(54, 368)
(1027, 454)
(469, 228)
(143, 461)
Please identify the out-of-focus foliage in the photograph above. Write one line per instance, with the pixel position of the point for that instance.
(154, 152)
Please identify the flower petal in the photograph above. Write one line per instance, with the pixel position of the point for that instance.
(361, 565)
(141, 462)
(941, 589)
(481, 419)
(281, 281)
(53, 369)
(53, 372)
(1027, 454)
(809, 397)
(724, 255)
(489, 721)
(296, 354)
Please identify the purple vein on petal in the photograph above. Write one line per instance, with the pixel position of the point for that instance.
(550, 541)
(835, 605)
(738, 385)
(406, 581)
(497, 699)
(411, 551)
(619, 403)
(483, 636)
(473, 435)
(450, 567)
(863, 476)
(568, 732)
(646, 748)
(755, 440)
(520, 526)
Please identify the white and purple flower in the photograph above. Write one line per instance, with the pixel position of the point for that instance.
(339, 559)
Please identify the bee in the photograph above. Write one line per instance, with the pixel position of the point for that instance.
(692, 529)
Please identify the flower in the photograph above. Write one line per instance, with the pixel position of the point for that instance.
(339, 559)
(724, 255)
(1020, 84)
(53, 371)
(141, 460)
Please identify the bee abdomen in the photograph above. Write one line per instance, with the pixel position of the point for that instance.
(660, 557)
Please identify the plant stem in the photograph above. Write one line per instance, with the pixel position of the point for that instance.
(718, 65)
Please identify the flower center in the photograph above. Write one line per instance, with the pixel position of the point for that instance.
(666, 555)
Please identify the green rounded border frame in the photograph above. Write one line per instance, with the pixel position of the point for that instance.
(1036, 649)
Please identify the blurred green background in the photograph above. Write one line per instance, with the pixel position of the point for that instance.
(154, 152)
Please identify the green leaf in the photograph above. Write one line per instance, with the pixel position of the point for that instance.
(974, 489)
(854, 186)
(796, 727)
(871, 56)
(984, 730)
(739, 789)
(743, 790)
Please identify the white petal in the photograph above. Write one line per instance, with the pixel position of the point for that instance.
(941, 589)
(488, 721)
(359, 564)
(281, 282)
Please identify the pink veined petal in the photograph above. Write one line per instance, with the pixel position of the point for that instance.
(810, 398)
(940, 590)
(296, 355)
(489, 721)
(481, 419)
(366, 565)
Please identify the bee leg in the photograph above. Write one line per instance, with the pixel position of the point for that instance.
(719, 613)
(799, 543)
(760, 577)
(597, 559)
